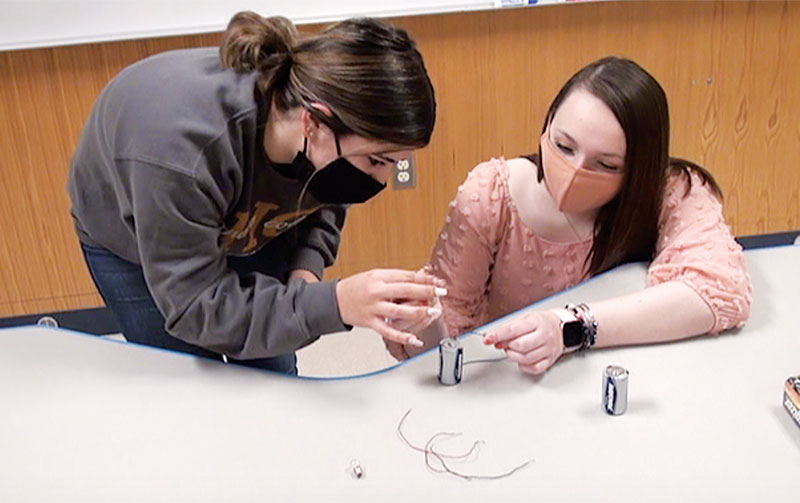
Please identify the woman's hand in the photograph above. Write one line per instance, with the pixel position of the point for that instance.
(394, 303)
(423, 329)
(532, 339)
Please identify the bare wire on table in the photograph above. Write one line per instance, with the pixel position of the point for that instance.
(431, 453)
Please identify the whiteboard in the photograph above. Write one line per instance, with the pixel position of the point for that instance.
(45, 23)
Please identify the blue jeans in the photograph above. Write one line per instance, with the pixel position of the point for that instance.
(124, 290)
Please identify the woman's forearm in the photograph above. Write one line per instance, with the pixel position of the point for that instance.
(665, 312)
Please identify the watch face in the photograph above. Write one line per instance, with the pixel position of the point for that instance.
(573, 333)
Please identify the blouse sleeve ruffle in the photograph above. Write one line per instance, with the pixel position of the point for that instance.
(467, 245)
(696, 247)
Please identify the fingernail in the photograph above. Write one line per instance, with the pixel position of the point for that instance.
(434, 312)
(415, 342)
(439, 291)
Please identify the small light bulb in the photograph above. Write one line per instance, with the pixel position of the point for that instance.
(356, 470)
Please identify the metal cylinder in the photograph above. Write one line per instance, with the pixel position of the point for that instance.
(47, 321)
(615, 390)
(451, 361)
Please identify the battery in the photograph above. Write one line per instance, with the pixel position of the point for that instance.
(451, 361)
(615, 390)
(791, 398)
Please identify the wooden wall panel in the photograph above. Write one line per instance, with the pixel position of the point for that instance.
(726, 67)
(45, 97)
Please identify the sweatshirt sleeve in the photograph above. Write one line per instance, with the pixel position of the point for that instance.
(319, 238)
(464, 253)
(695, 246)
(178, 222)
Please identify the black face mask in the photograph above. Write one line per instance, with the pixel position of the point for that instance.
(339, 182)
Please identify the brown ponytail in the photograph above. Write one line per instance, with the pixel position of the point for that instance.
(370, 74)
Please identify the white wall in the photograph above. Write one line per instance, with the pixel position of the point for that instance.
(42, 23)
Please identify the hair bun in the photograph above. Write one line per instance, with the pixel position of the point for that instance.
(252, 42)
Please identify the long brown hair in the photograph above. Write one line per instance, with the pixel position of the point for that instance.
(370, 74)
(626, 228)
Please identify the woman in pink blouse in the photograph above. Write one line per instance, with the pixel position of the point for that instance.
(602, 191)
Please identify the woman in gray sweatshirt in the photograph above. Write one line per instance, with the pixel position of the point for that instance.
(210, 186)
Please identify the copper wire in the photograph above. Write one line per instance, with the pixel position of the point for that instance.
(484, 360)
(431, 453)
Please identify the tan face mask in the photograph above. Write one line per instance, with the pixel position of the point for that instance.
(575, 189)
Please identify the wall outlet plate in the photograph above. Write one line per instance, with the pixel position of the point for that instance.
(404, 174)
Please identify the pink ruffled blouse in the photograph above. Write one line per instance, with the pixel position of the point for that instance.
(494, 264)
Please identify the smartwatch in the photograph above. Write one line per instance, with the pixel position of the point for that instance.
(572, 332)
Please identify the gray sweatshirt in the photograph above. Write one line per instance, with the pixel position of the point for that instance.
(171, 174)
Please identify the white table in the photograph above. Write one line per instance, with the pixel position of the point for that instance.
(85, 419)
